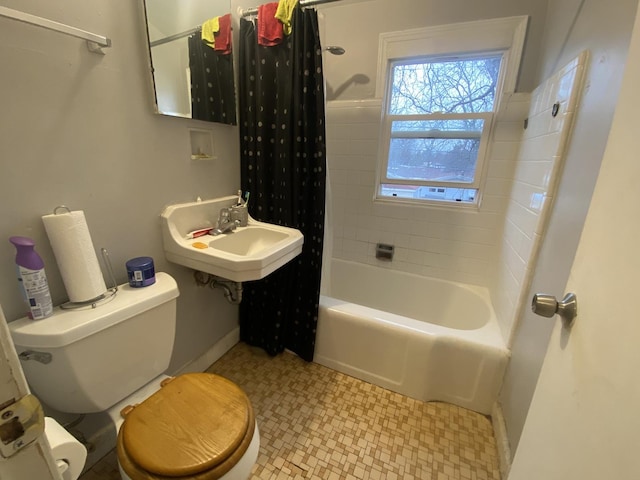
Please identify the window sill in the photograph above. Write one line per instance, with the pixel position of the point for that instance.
(438, 204)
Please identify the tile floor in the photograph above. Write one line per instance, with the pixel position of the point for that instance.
(316, 423)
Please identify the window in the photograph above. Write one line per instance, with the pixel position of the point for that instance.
(438, 109)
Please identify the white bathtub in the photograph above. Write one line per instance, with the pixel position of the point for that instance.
(426, 338)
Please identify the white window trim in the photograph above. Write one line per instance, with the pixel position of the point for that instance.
(502, 34)
(505, 34)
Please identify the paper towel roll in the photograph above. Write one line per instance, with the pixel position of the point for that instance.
(75, 255)
(66, 450)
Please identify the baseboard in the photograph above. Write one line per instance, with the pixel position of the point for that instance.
(209, 357)
(502, 441)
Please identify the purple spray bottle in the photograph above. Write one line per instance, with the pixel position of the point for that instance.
(32, 278)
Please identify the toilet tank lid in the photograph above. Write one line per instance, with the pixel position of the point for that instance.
(64, 327)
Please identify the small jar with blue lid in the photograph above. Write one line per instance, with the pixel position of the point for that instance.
(141, 272)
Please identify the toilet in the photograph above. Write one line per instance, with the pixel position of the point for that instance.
(112, 359)
(166, 436)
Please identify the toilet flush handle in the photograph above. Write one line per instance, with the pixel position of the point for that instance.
(42, 357)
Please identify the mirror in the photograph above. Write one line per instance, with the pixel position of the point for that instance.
(193, 78)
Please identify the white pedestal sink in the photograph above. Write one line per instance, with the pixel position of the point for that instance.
(247, 253)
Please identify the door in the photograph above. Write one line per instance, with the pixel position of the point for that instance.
(33, 461)
(584, 420)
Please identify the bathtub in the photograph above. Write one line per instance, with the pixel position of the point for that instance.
(422, 337)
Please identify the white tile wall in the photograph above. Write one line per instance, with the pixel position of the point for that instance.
(534, 181)
(493, 246)
(443, 242)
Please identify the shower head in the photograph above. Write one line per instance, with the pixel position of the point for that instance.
(335, 50)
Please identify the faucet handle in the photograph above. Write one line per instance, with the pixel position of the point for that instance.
(223, 216)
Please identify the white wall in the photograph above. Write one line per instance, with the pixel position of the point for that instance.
(356, 24)
(78, 129)
(449, 243)
(537, 169)
(604, 29)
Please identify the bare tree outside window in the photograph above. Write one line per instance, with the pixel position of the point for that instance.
(435, 130)
(446, 149)
(447, 86)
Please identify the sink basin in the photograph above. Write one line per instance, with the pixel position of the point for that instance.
(248, 253)
(247, 241)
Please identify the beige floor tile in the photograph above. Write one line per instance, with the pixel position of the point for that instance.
(316, 423)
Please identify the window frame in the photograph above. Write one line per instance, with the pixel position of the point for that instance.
(503, 36)
(387, 135)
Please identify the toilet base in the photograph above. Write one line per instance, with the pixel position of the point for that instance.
(241, 470)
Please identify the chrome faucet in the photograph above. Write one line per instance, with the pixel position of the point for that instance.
(225, 224)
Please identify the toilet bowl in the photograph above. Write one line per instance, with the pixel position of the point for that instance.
(198, 426)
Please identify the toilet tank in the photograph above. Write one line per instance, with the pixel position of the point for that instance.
(99, 356)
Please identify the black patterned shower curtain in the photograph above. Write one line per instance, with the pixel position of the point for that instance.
(283, 160)
(213, 96)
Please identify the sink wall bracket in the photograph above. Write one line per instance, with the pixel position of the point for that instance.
(232, 290)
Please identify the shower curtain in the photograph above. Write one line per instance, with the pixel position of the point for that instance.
(283, 159)
(212, 87)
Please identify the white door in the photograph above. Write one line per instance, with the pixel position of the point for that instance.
(584, 420)
(33, 461)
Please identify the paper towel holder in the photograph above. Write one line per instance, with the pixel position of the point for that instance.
(55, 210)
(95, 302)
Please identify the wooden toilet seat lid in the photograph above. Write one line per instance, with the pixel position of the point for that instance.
(189, 426)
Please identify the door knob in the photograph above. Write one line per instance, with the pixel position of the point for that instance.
(548, 306)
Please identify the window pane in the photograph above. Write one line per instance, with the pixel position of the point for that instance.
(448, 86)
(445, 194)
(434, 150)
(433, 159)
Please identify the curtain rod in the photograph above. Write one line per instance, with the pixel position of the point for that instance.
(247, 12)
(173, 37)
(243, 13)
(95, 43)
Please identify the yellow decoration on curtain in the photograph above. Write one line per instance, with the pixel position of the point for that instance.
(209, 29)
(284, 14)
